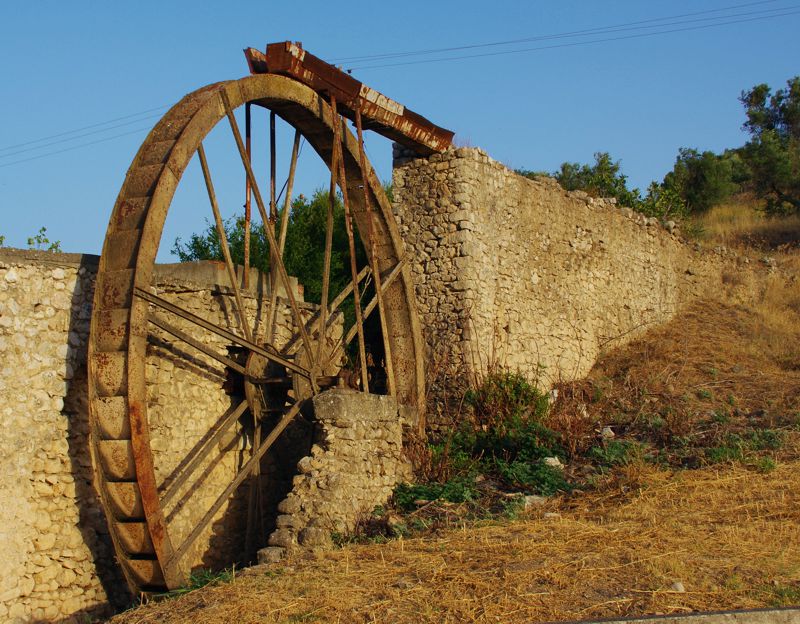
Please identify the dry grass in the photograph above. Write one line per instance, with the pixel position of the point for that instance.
(731, 537)
(740, 224)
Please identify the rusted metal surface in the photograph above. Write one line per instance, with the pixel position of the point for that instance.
(348, 224)
(373, 256)
(380, 113)
(247, 195)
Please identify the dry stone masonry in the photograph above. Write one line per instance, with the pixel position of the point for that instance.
(353, 466)
(519, 273)
(57, 558)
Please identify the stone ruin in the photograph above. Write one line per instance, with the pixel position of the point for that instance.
(508, 271)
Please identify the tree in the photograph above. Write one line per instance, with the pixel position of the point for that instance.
(305, 245)
(662, 202)
(773, 152)
(704, 179)
(603, 179)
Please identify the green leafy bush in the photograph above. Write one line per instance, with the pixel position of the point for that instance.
(41, 242)
(536, 477)
(615, 453)
(734, 446)
(506, 441)
(505, 399)
(457, 490)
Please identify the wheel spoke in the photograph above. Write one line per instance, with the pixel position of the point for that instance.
(273, 208)
(273, 296)
(237, 480)
(326, 263)
(224, 333)
(273, 247)
(200, 452)
(182, 335)
(247, 208)
(373, 257)
(223, 242)
(348, 338)
(337, 146)
(314, 322)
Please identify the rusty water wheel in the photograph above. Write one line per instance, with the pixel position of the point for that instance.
(130, 316)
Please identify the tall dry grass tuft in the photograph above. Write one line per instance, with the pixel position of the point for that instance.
(741, 223)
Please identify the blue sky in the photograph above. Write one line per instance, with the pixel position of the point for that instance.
(69, 65)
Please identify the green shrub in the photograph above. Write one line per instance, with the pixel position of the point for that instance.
(456, 490)
(765, 464)
(615, 453)
(505, 399)
(724, 454)
(764, 439)
(734, 446)
(506, 441)
(536, 477)
(41, 242)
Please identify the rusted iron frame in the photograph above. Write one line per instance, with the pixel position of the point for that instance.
(373, 256)
(254, 503)
(236, 482)
(287, 204)
(273, 208)
(278, 261)
(171, 488)
(247, 207)
(224, 333)
(348, 338)
(223, 243)
(382, 114)
(182, 335)
(348, 222)
(326, 261)
(314, 321)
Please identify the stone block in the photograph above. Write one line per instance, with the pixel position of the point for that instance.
(271, 554)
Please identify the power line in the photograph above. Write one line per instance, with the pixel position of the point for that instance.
(79, 136)
(74, 147)
(720, 20)
(574, 43)
(89, 127)
(597, 30)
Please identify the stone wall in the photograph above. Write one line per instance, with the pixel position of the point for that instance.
(353, 466)
(57, 558)
(58, 562)
(519, 273)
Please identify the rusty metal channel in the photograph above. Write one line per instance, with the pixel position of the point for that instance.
(379, 113)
